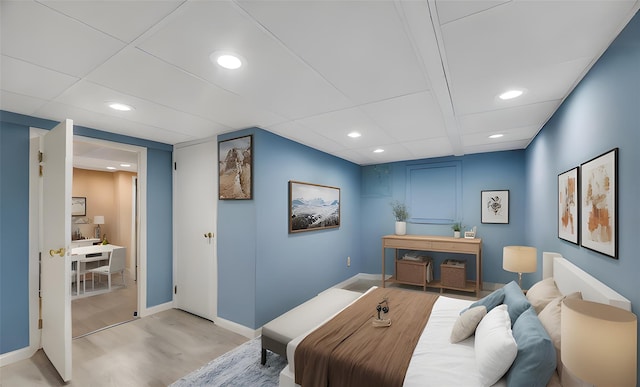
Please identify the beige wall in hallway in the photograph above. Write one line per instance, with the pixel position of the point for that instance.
(108, 194)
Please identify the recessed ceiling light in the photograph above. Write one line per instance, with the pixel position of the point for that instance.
(498, 135)
(120, 106)
(354, 135)
(379, 150)
(227, 60)
(111, 168)
(125, 165)
(511, 94)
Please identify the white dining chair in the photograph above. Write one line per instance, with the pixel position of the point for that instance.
(75, 276)
(116, 265)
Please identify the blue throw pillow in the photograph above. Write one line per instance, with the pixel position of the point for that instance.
(535, 362)
(490, 301)
(516, 300)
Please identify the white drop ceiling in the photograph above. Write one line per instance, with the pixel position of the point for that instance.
(418, 79)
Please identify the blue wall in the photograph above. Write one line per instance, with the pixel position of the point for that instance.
(602, 113)
(486, 171)
(263, 270)
(14, 237)
(14, 222)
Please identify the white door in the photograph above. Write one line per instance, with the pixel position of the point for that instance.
(196, 197)
(56, 240)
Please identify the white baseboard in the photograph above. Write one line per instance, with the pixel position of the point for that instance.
(156, 309)
(237, 328)
(17, 355)
(359, 276)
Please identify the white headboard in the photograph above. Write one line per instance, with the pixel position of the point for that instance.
(570, 278)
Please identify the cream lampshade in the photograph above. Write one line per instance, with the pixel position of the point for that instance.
(599, 343)
(519, 259)
(98, 220)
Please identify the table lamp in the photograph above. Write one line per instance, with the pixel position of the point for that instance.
(599, 343)
(519, 259)
(98, 220)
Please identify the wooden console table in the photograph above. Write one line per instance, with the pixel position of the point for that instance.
(440, 244)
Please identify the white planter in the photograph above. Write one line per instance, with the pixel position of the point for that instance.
(456, 234)
(401, 228)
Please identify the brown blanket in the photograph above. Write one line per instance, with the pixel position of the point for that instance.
(349, 351)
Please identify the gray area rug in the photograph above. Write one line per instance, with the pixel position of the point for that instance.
(238, 367)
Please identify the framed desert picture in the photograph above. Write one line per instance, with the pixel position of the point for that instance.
(599, 204)
(568, 215)
(494, 206)
(313, 207)
(235, 168)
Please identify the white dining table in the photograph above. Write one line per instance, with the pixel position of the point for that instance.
(79, 255)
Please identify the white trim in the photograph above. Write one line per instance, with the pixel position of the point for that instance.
(142, 233)
(237, 328)
(156, 309)
(17, 355)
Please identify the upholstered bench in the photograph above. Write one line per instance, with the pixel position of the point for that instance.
(277, 333)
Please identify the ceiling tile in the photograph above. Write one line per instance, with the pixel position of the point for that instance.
(360, 47)
(494, 121)
(409, 117)
(37, 34)
(24, 78)
(124, 20)
(136, 73)
(453, 10)
(272, 75)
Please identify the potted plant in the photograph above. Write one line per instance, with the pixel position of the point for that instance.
(457, 227)
(401, 214)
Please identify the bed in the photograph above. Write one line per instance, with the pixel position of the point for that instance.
(437, 362)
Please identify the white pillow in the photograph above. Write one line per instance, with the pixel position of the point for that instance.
(495, 346)
(467, 322)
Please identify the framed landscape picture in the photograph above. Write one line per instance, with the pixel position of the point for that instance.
(78, 206)
(313, 207)
(599, 204)
(568, 214)
(235, 168)
(494, 206)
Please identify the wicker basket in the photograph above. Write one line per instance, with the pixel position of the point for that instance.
(453, 274)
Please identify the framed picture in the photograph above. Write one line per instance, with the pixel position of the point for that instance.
(568, 214)
(599, 204)
(313, 207)
(235, 168)
(78, 206)
(495, 206)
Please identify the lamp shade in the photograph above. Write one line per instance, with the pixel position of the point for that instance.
(98, 219)
(519, 259)
(599, 343)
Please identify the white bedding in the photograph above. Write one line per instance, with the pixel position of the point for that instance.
(435, 361)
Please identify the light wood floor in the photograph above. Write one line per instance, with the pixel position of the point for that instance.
(152, 351)
(98, 308)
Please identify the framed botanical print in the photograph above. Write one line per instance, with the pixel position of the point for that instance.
(568, 206)
(495, 206)
(599, 204)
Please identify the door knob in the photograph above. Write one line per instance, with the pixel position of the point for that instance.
(59, 252)
(208, 235)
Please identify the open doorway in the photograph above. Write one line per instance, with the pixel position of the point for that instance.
(105, 181)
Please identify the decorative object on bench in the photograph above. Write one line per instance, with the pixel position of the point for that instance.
(519, 259)
(380, 322)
